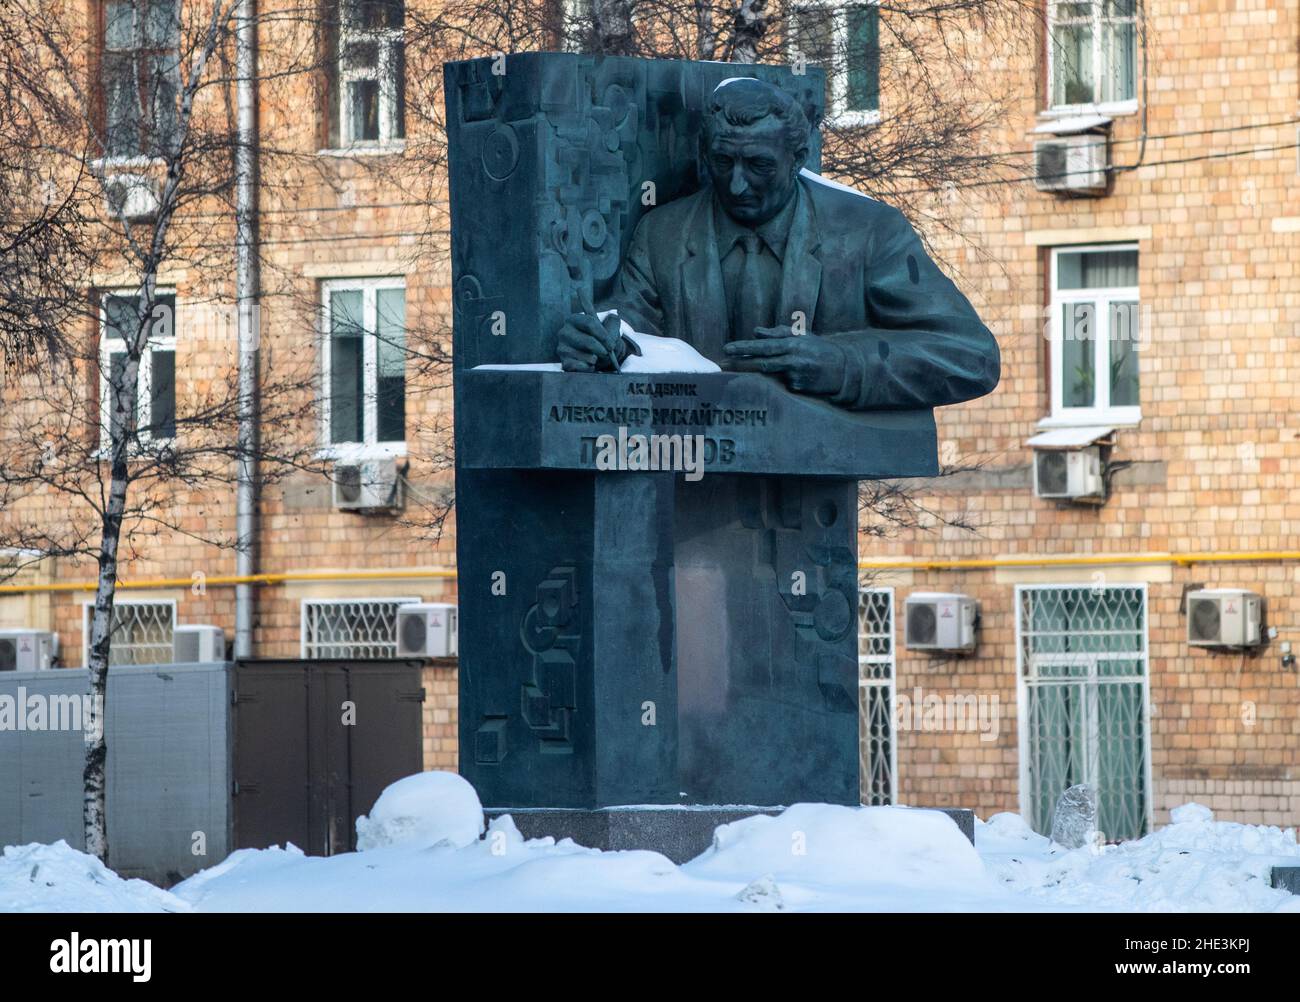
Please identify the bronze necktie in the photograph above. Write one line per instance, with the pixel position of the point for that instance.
(750, 296)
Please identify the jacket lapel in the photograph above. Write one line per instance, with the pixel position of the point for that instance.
(704, 302)
(801, 278)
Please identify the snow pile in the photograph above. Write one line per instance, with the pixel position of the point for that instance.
(1193, 864)
(818, 855)
(427, 809)
(59, 878)
(423, 852)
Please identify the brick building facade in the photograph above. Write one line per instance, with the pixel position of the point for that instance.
(1082, 670)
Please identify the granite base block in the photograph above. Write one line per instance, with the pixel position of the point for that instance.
(680, 833)
(1287, 878)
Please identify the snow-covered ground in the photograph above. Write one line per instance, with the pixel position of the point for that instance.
(422, 852)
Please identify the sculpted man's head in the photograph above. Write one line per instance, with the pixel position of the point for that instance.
(756, 142)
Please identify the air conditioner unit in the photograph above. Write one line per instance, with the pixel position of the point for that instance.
(426, 630)
(1072, 164)
(367, 486)
(938, 621)
(26, 650)
(131, 196)
(1224, 617)
(1069, 474)
(196, 643)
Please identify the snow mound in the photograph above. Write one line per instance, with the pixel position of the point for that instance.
(898, 852)
(1191, 812)
(59, 878)
(427, 809)
(1194, 864)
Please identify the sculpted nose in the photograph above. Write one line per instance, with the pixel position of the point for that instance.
(738, 183)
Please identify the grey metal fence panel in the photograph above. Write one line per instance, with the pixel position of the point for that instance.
(41, 756)
(169, 774)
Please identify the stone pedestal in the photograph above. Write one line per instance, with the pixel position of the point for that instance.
(680, 833)
(636, 637)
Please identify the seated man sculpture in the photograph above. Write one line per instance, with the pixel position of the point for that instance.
(772, 269)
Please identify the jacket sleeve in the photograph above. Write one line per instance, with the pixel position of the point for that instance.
(925, 346)
(634, 294)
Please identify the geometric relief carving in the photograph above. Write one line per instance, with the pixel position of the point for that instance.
(551, 633)
(822, 608)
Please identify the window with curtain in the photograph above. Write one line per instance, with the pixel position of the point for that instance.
(371, 72)
(365, 362)
(155, 418)
(844, 40)
(140, 69)
(1096, 334)
(1092, 52)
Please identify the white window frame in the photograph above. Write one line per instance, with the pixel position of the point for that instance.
(837, 114)
(1126, 106)
(144, 384)
(354, 600)
(88, 612)
(888, 683)
(370, 448)
(386, 40)
(1023, 685)
(1101, 412)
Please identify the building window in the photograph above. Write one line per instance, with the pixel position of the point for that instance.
(156, 378)
(877, 747)
(1082, 660)
(1092, 52)
(351, 628)
(1096, 334)
(365, 366)
(844, 40)
(142, 631)
(140, 76)
(371, 72)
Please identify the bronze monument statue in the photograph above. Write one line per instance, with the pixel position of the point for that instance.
(766, 254)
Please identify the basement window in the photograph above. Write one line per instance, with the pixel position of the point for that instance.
(359, 629)
(142, 631)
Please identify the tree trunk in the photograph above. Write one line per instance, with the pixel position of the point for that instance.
(749, 28)
(707, 36)
(612, 27)
(123, 399)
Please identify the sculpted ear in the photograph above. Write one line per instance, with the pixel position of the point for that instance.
(800, 158)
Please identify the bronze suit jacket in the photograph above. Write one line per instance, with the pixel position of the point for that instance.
(856, 271)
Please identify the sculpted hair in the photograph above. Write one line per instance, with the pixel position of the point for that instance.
(744, 102)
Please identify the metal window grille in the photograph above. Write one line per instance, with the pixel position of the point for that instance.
(877, 748)
(1084, 702)
(142, 632)
(351, 628)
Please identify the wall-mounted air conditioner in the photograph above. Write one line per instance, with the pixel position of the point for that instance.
(940, 621)
(1069, 474)
(371, 485)
(1224, 617)
(27, 650)
(427, 630)
(131, 196)
(198, 643)
(1073, 165)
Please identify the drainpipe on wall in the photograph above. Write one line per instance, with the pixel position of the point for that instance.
(246, 296)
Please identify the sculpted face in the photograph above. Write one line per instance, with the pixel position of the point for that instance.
(753, 170)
